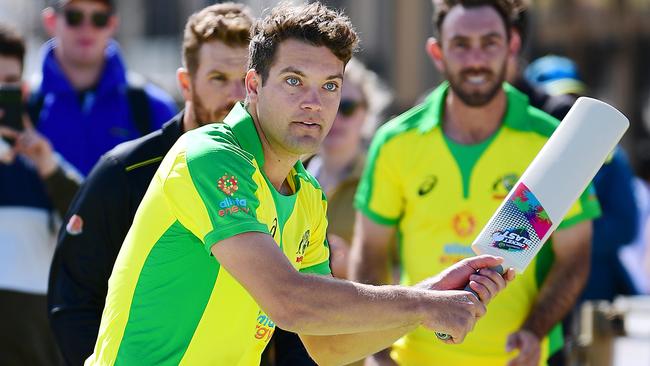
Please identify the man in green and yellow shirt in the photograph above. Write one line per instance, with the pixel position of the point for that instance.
(437, 173)
(229, 239)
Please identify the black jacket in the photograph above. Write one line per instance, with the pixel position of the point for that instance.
(93, 231)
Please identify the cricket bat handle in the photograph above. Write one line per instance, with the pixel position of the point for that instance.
(499, 269)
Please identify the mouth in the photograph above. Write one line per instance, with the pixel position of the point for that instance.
(308, 125)
(476, 78)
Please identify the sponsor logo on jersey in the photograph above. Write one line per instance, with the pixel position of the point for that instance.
(264, 327)
(427, 185)
(75, 225)
(228, 184)
(463, 223)
(502, 186)
(512, 240)
(302, 247)
(231, 206)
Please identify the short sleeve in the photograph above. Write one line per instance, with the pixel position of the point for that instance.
(317, 254)
(379, 195)
(585, 208)
(213, 194)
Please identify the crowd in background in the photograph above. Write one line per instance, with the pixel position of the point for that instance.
(83, 124)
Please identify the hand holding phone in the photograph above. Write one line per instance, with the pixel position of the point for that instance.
(11, 109)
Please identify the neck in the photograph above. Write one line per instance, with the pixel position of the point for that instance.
(277, 163)
(189, 121)
(81, 77)
(470, 125)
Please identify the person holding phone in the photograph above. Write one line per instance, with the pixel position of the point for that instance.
(35, 189)
(85, 104)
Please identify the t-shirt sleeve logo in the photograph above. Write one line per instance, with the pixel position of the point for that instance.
(228, 185)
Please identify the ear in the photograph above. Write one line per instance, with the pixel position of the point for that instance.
(434, 50)
(48, 16)
(514, 46)
(253, 84)
(184, 83)
(113, 24)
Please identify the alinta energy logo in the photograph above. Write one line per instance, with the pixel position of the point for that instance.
(264, 327)
(231, 206)
(512, 240)
(228, 185)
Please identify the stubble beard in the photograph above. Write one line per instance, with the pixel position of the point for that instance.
(476, 99)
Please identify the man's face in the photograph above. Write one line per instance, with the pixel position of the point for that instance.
(83, 29)
(298, 102)
(219, 81)
(10, 70)
(475, 50)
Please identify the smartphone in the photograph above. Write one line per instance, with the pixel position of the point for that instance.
(11, 103)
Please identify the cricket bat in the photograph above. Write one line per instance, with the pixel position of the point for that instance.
(551, 184)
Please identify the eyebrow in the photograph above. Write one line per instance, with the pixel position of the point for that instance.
(489, 35)
(293, 70)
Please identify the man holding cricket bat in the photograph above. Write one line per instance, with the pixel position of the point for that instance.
(229, 239)
(436, 174)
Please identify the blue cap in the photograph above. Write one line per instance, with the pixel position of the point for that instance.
(556, 75)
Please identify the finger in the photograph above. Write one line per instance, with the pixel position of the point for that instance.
(27, 122)
(494, 276)
(509, 275)
(8, 132)
(484, 287)
(512, 342)
(483, 261)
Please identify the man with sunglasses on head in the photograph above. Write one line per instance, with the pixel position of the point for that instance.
(84, 103)
(215, 54)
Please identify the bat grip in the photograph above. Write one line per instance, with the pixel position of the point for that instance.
(445, 336)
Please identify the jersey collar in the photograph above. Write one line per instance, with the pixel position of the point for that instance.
(515, 116)
(243, 127)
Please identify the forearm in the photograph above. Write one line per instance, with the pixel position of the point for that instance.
(557, 296)
(61, 188)
(347, 348)
(329, 306)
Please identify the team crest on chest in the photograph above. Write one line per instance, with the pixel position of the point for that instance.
(302, 247)
(502, 186)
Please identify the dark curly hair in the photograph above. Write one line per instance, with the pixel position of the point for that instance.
(312, 23)
(507, 10)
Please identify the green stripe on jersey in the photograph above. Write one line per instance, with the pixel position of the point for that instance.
(173, 266)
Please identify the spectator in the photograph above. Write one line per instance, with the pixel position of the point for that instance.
(617, 226)
(435, 175)
(340, 161)
(635, 256)
(215, 52)
(84, 104)
(35, 189)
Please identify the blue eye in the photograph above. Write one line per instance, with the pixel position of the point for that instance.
(293, 81)
(330, 86)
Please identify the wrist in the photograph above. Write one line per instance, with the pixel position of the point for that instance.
(48, 166)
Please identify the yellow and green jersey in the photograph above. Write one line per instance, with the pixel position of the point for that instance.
(439, 194)
(169, 300)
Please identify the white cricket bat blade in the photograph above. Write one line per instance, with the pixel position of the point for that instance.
(552, 183)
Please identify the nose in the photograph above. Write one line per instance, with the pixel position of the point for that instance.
(312, 100)
(475, 57)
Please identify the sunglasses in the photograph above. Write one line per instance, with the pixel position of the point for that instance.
(74, 18)
(348, 107)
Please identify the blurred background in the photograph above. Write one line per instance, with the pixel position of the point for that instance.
(608, 39)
